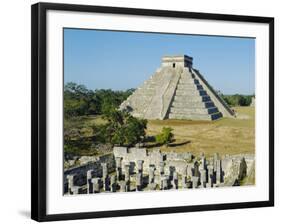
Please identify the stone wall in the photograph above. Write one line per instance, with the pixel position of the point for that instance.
(132, 155)
(80, 172)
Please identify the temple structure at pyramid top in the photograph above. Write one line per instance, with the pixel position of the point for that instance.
(177, 91)
(177, 61)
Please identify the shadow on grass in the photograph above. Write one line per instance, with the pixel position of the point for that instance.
(153, 145)
(179, 143)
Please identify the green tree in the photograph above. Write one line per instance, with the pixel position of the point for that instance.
(165, 137)
(237, 99)
(134, 130)
(79, 101)
(76, 99)
(122, 128)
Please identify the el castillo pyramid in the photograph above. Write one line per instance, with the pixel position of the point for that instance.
(176, 91)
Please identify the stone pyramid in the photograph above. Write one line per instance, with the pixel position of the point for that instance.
(176, 91)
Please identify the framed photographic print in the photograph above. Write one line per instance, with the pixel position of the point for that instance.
(139, 111)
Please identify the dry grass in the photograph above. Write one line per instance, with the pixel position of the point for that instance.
(83, 121)
(225, 136)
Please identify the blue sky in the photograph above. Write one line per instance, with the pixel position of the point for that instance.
(123, 60)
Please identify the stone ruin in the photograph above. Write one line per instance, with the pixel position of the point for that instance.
(253, 101)
(138, 169)
(177, 91)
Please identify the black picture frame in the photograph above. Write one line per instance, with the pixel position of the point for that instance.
(38, 108)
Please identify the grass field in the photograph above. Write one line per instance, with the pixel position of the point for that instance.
(224, 136)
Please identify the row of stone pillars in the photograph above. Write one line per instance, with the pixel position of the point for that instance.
(201, 175)
(208, 176)
(125, 185)
(94, 185)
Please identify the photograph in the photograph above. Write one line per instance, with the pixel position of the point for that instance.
(152, 111)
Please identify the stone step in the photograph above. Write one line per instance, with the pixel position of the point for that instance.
(191, 111)
(191, 98)
(142, 102)
(145, 95)
(136, 106)
(197, 104)
(188, 81)
(198, 87)
(186, 75)
(210, 117)
(187, 92)
(143, 92)
(190, 86)
(140, 96)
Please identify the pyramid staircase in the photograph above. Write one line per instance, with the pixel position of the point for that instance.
(176, 91)
(191, 101)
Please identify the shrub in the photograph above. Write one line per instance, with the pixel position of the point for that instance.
(165, 137)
